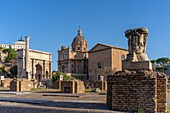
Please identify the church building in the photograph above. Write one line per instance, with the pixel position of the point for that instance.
(74, 61)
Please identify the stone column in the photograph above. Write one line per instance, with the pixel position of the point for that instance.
(27, 38)
(50, 67)
(44, 74)
(69, 67)
(33, 69)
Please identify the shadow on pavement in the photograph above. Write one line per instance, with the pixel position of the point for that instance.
(9, 109)
(82, 105)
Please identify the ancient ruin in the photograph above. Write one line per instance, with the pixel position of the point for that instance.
(137, 87)
(70, 86)
(34, 65)
(137, 57)
(21, 84)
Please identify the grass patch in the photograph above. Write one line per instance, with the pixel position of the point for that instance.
(89, 90)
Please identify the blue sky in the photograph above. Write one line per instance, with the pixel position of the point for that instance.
(52, 23)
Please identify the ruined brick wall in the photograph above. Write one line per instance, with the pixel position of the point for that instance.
(6, 82)
(21, 85)
(102, 85)
(57, 84)
(14, 85)
(79, 87)
(161, 92)
(131, 91)
(69, 85)
(72, 86)
(25, 85)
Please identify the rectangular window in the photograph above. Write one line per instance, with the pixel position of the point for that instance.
(99, 65)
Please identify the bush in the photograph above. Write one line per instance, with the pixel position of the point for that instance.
(57, 74)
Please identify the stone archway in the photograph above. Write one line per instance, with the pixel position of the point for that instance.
(38, 74)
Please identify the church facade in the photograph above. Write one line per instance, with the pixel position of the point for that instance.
(74, 61)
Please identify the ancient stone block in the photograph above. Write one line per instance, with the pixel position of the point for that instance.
(20, 85)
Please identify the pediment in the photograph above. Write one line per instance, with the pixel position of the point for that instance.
(99, 46)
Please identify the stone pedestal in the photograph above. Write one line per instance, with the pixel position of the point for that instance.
(140, 65)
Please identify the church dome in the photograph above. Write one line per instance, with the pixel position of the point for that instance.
(79, 42)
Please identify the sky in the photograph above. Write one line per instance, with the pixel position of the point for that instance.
(53, 23)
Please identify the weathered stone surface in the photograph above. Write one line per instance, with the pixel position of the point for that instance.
(102, 85)
(104, 57)
(139, 89)
(20, 85)
(71, 86)
(6, 82)
(144, 65)
(74, 61)
(33, 64)
(137, 58)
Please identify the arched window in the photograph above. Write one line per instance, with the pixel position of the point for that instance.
(122, 57)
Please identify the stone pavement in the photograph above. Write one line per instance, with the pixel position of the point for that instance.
(36, 103)
(22, 100)
(15, 93)
(63, 94)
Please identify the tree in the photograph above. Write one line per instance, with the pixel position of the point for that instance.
(11, 54)
(58, 73)
(153, 61)
(163, 60)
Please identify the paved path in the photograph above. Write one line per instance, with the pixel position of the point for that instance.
(22, 100)
(63, 94)
(15, 93)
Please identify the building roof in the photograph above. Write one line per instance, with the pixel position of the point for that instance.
(79, 38)
(106, 46)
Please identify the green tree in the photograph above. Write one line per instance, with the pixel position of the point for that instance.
(163, 60)
(153, 61)
(58, 73)
(11, 54)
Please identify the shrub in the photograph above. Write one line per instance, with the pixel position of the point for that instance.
(57, 74)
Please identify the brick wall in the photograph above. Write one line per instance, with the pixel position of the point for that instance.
(102, 85)
(21, 85)
(131, 91)
(73, 86)
(161, 92)
(57, 84)
(6, 82)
